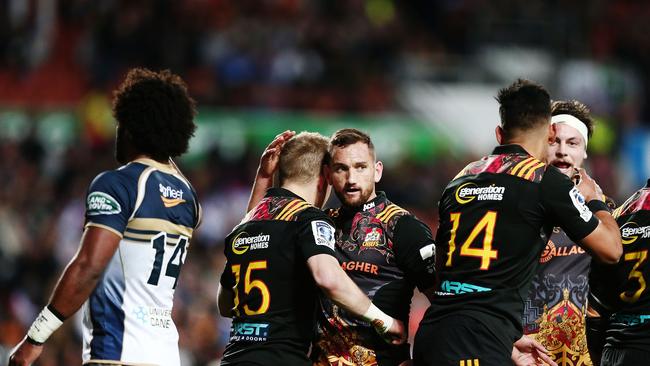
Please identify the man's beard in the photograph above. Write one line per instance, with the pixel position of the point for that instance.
(364, 196)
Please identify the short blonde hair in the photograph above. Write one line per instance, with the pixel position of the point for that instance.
(302, 157)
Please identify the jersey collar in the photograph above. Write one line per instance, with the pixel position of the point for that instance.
(509, 149)
(281, 192)
(165, 168)
(381, 197)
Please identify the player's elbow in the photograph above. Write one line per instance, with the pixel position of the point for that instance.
(225, 302)
(225, 311)
(85, 268)
(613, 255)
(326, 281)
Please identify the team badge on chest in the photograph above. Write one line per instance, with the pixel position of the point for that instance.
(373, 238)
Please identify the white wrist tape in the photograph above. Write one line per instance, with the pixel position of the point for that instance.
(380, 320)
(44, 325)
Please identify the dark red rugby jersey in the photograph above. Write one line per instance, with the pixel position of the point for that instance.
(387, 252)
(276, 297)
(495, 219)
(622, 288)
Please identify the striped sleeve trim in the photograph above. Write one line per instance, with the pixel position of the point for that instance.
(390, 211)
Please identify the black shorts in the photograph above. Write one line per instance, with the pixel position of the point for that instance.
(265, 355)
(458, 340)
(615, 356)
(595, 329)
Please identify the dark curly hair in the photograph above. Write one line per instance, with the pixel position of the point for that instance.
(523, 105)
(575, 109)
(155, 113)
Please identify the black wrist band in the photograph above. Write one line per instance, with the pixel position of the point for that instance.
(32, 341)
(56, 312)
(597, 205)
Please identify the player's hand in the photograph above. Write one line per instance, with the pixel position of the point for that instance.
(528, 352)
(589, 188)
(396, 334)
(271, 155)
(25, 353)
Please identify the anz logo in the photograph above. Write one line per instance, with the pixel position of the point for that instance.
(170, 197)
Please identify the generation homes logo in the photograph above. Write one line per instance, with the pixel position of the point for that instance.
(242, 242)
(630, 232)
(470, 191)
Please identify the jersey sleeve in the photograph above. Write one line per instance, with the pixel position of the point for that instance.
(566, 205)
(415, 251)
(316, 234)
(108, 203)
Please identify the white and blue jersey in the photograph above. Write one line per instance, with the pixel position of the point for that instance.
(127, 318)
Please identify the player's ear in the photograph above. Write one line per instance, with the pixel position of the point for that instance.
(327, 173)
(498, 132)
(552, 132)
(379, 169)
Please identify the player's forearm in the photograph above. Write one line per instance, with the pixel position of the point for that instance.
(611, 248)
(74, 287)
(261, 184)
(346, 294)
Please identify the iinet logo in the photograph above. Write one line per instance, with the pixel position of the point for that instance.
(170, 197)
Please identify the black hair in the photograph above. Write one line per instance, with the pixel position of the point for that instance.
(155, 112)
(523, 105)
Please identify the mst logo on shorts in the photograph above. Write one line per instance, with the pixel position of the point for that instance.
(323, 233)
(470, 191)
(249, 332)
(243, 242)
(100, 203)
(630, 232)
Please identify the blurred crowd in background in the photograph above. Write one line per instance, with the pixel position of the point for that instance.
(59, 60)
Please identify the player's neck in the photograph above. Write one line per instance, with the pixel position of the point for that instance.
(145, 156)
(308, 191)
(535, 144)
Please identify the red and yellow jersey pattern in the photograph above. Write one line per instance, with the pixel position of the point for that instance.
(386, 251)
(622, 288)
(496, 217)
(275, 297)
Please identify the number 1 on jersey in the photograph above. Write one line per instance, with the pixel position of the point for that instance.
(250, 285)
(486, 253)
(173, 270)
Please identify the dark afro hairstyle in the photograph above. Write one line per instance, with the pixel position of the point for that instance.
(156, 113)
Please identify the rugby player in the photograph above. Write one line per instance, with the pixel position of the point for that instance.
(382, 247)
(619, 293)
(139, 220)
(278, 256)
(496, 216)
(555, 310)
